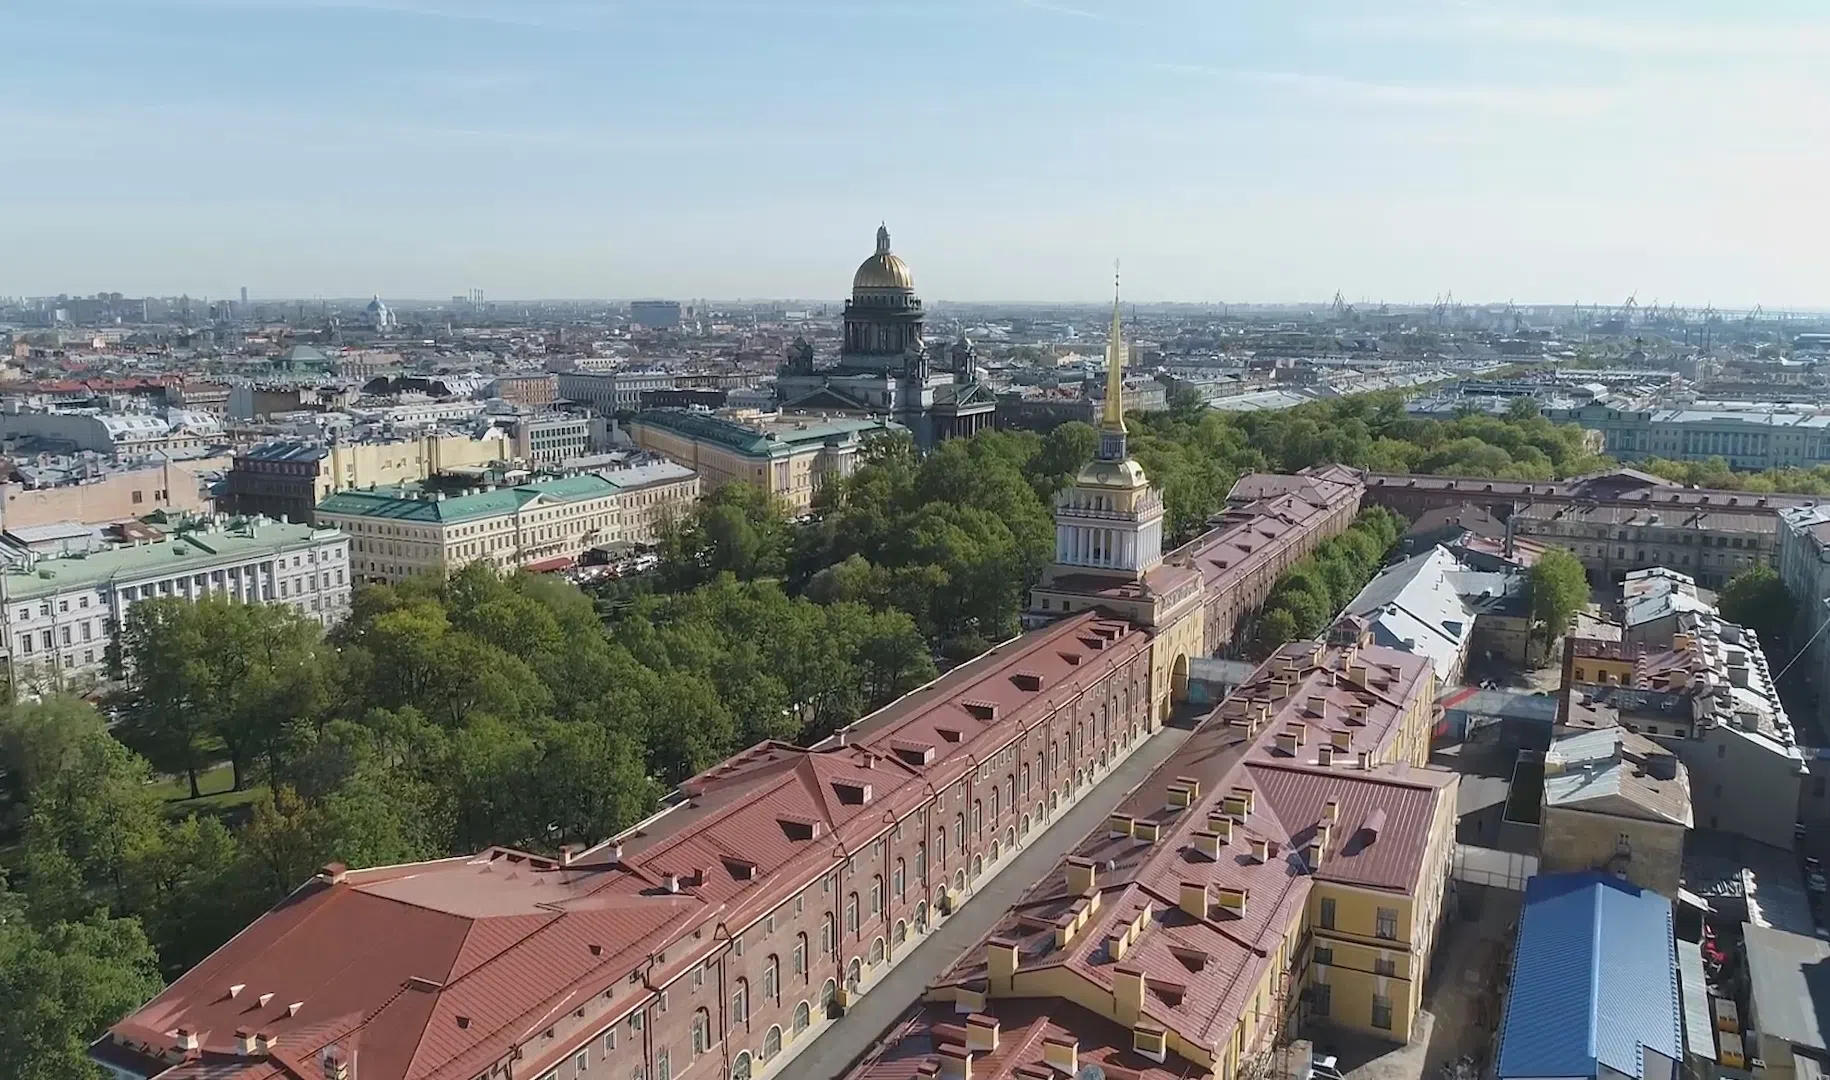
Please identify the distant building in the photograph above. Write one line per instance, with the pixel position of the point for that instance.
(286, 479)
(611, 392)
(534, 391)
(787, 457)
(886, 367)
(550, 438)
(398, 532)
(1761, 436)
(123, 437)
(380, 317)
(114, 495)
(655, 314)
(1804, 567)
(59, 615)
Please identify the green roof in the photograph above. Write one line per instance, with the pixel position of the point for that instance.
(182, 552)
(770, 439)
(411, 503)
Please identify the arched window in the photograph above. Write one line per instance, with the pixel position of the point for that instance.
(876, 950)
(802, 1017)
(702, 1032)
(978, 865)
(740, 1002)
(772, 1042)
(854, 974)
(921, 917)
(959, 880)
(827, 993)
(899, 880)
(901, 933)
(851, 914)
(800, 955)
(995, 848)
(740, 1069)
(772, 980)
(828, 934)
(877, 895)
(1010, 838)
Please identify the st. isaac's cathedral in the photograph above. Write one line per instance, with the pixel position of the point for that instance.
(885, 366)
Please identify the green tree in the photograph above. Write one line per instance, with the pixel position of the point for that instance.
(60, 986)
(1559, 589)
(164, 651)
(1757, 599)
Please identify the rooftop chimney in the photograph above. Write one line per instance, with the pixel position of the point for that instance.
(244, 1042)
(981, 1033)
(184, 1039)
(1193, 899)
(955, 1062)
(568, 853)
(670, 882)
(1062, 1052)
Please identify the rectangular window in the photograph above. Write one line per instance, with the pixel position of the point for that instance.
(580, 1062)
(1387, 927)
(609, 1041)
(1385, 967)
(663, 1068)
(1326, 918)
(1382, 1012)
(1324, 955)
(1321, 999)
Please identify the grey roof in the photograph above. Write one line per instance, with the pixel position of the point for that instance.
(1789, 975)
(1413, 606)
(1606, 770)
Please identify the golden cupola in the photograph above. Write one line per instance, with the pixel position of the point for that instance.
(883, 270)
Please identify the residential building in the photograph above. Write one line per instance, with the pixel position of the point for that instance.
(107, 496)
(253, 401)
(60, 615)
(1804, 566)
(1594, 991)
(1286, 866)
(886, 367)
(1618, 802)
(123, 437)
(398, 532)
(533, 390)
(550, 438)
(1726, 530)
(1612, 541)
(1707, 694)
(611, 391)
(716, 938)
(787, 457)
(288, 479)
(1787, 1002)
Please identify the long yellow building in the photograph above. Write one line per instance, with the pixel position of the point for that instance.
(1287, 864)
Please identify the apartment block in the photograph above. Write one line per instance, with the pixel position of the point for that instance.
(288, 479)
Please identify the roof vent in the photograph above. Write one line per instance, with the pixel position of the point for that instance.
(293, 1009)
(244, 1042)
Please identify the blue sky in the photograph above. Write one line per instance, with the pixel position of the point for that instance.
(1224, 150)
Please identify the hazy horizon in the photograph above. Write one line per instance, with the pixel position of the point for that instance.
(748, 148)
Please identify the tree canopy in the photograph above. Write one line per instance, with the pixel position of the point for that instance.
(1757, 599)
(1559, 589)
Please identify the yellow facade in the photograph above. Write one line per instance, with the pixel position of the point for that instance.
(1601, 669)
(356, 465)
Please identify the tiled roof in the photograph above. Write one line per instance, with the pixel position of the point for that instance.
(1023, 1028)
(763, 438)
(1200, 972)
(182, 552)
(1612, 771)
(1264, 514)
(435, 970)
(1594, 982)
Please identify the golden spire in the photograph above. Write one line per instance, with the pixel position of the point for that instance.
(1114, 418)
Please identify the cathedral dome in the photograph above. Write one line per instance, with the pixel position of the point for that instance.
(883, 270)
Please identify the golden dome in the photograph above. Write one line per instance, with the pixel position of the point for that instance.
(883, 270)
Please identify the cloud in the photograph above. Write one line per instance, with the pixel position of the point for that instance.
(1341, 90)
(1070, 11)
(1660, 35)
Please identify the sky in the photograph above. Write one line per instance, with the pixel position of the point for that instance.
(1223, 150)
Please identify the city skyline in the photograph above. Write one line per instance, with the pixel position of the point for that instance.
(748, 149)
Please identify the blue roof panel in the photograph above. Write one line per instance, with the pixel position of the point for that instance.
(1594, 980)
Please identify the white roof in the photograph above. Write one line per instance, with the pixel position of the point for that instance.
(1413, 606)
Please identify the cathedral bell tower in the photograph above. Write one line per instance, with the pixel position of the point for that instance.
(1110, 521)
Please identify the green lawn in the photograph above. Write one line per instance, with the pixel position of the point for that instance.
(215, 784)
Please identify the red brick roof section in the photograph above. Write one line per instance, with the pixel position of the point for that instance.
(1023, 1027)
(439, 969)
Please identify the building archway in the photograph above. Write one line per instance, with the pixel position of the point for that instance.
(1178, 678)
(921, 917)
(828, 994)
(854, 974)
